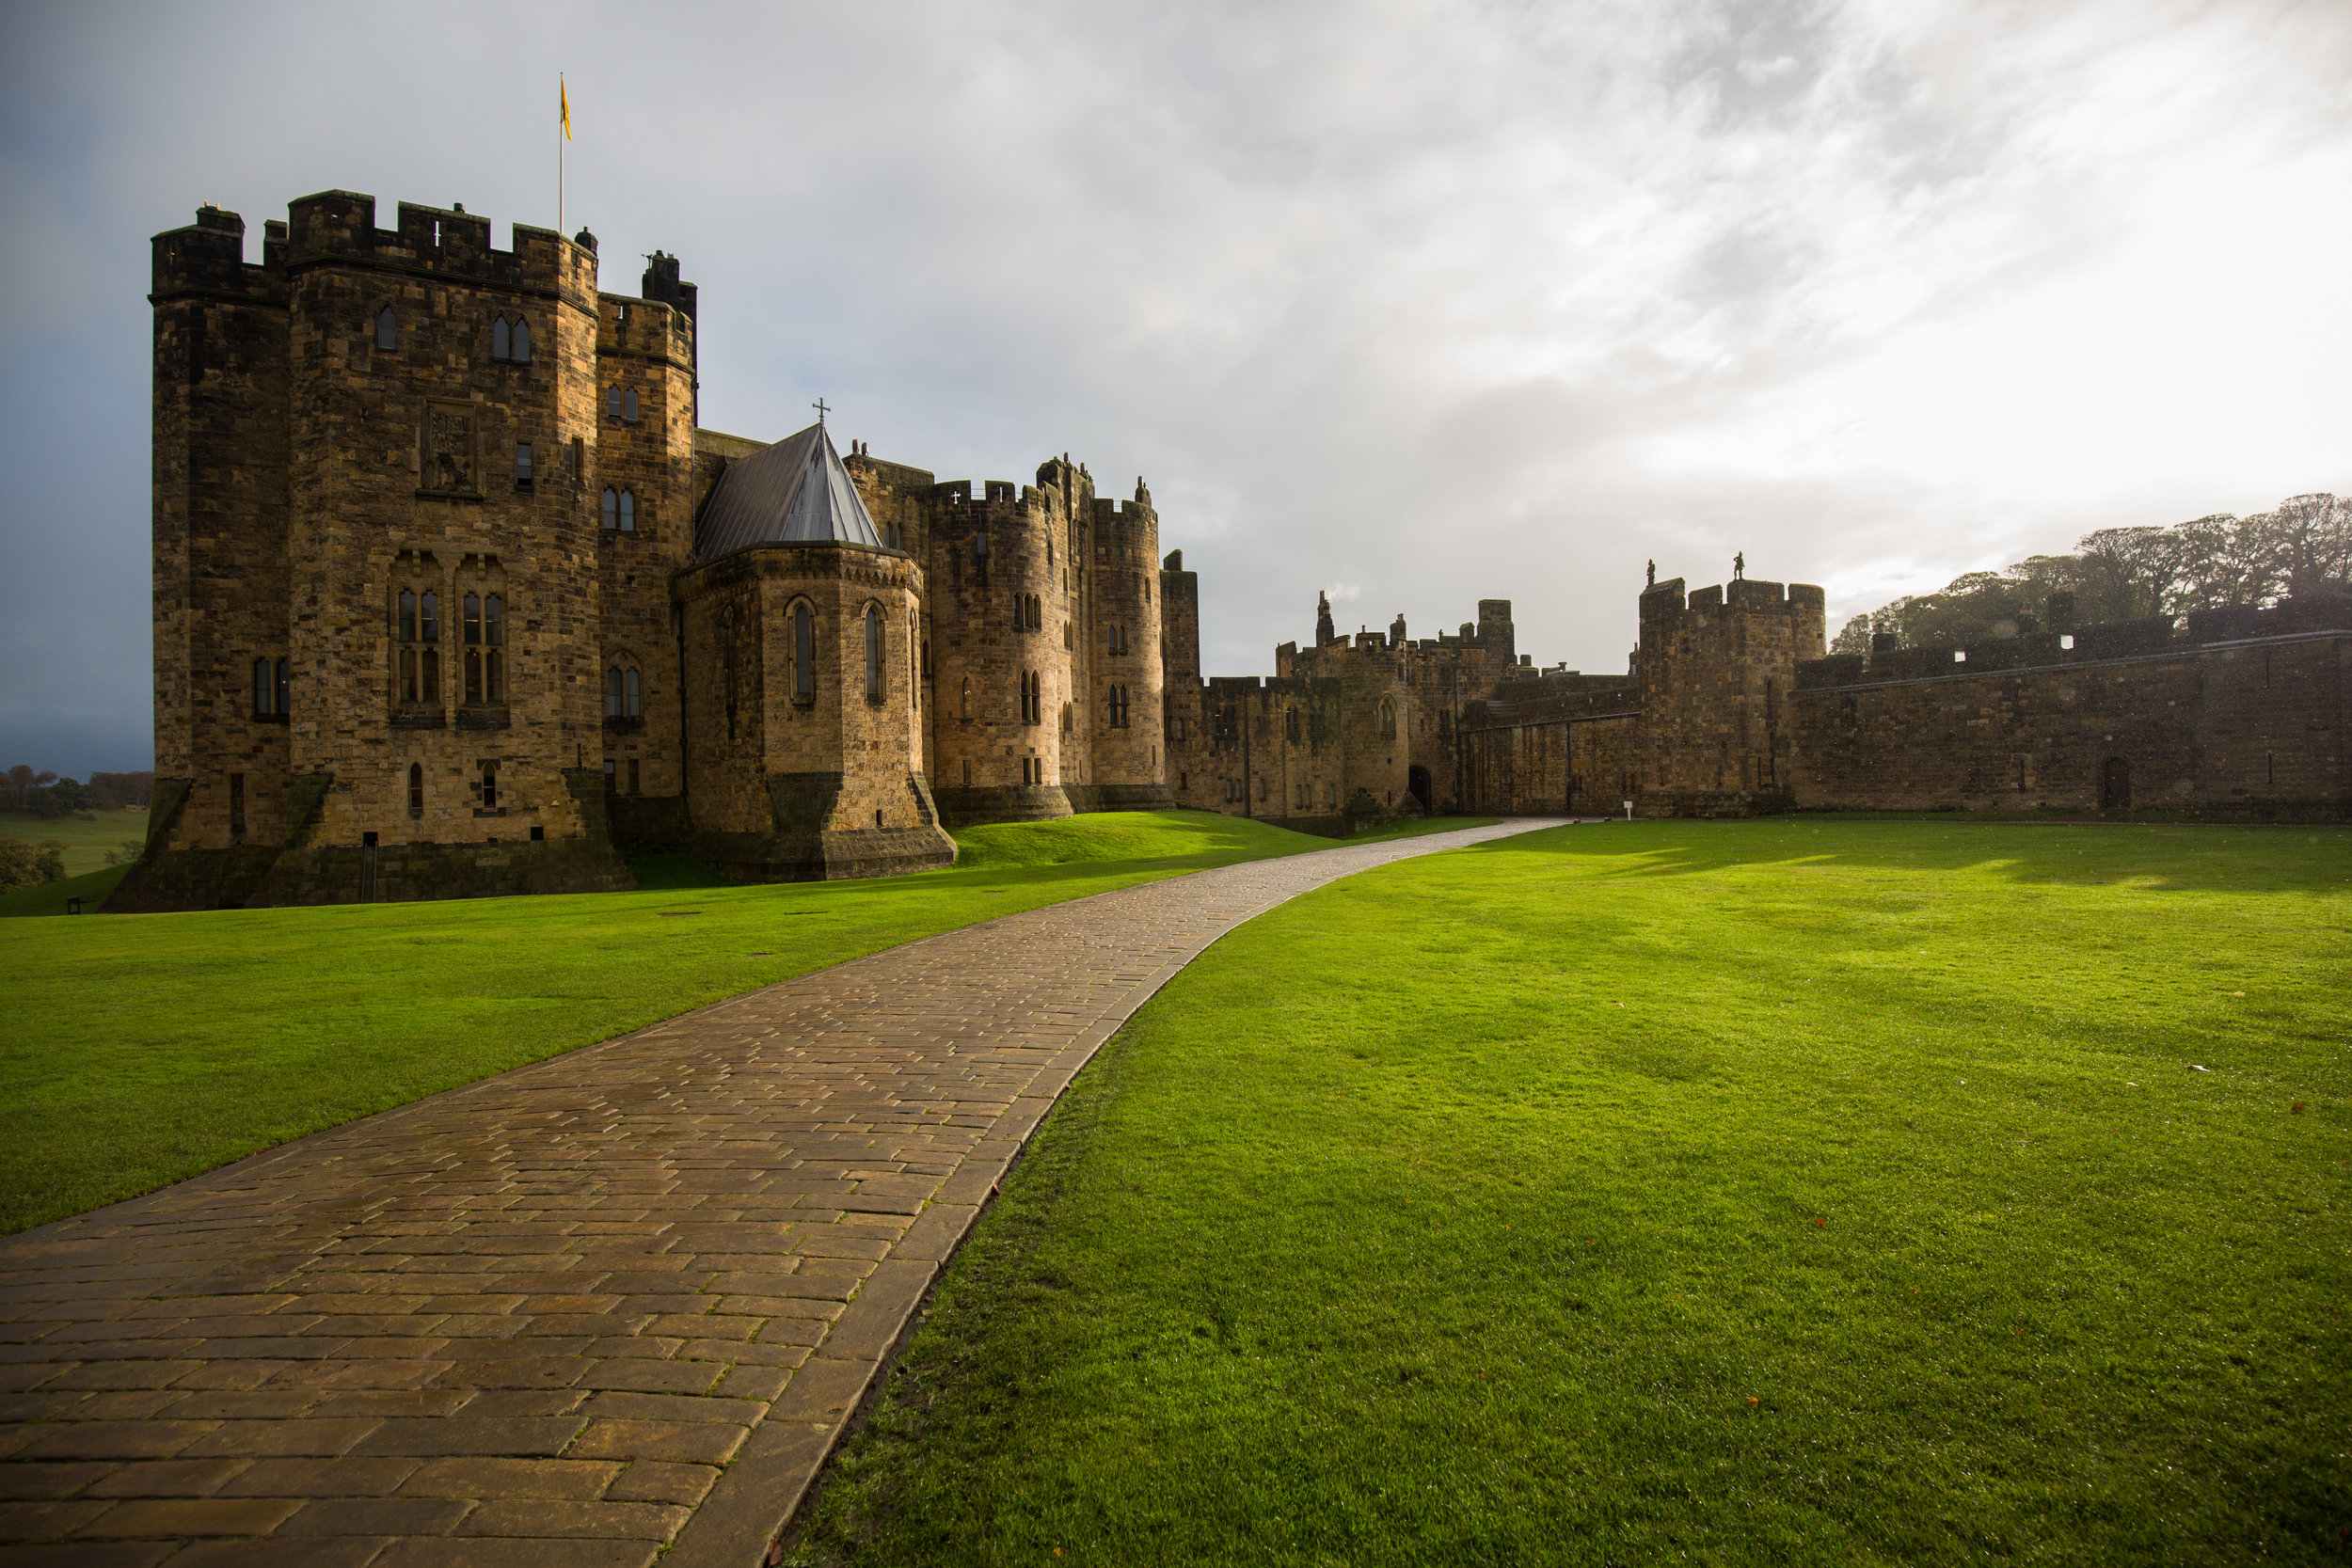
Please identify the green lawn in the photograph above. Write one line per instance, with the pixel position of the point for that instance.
(138, 1050)
(1784, 1192)
(85, 840)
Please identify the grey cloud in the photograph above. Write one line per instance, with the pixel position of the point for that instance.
(1408, 296)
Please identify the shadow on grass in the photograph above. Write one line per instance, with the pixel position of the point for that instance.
(2200, 857)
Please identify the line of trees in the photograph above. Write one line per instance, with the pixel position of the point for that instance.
(49, 797)
(2123, 574)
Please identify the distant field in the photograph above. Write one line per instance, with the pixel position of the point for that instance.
(1648, 1192)
(136, 1050)
(86, 841)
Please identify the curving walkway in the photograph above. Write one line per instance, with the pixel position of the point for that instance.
(623, 1298)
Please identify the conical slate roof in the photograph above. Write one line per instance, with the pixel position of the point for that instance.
(793, 492)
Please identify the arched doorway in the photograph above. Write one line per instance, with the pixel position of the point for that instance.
(1417, 780)
(2115, 785)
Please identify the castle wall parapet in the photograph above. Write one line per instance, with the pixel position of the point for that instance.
(337, 229)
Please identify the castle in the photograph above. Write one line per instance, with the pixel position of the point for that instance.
(1731, 706)
(455, 595)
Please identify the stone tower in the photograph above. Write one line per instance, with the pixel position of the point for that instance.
(377, 561)
(1716, 672)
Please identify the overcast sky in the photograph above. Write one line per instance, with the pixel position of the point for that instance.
(1414, 302)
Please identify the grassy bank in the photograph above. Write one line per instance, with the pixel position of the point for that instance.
(1726, 1193)
(85, 839)
(136, 1050)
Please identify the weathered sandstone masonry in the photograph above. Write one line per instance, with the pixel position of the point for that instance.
(1731, 708)
(442, 609)
(2238, 712)
(454, 596)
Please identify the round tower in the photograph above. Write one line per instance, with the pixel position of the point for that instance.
(1121, 709)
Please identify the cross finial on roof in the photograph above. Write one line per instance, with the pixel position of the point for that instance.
(822, 409)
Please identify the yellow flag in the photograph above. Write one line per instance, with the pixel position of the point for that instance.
(563, 107)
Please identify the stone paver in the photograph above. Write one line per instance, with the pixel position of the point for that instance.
(625, 1297)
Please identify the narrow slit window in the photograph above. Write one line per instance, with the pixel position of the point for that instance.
(387, 329)
(803, 654)
(629, 708)
(282, 707)
(873, 653)
(611, 509)
(628, 407)
(416, 790)
(262, 689)
(628, 512)
(490, 786)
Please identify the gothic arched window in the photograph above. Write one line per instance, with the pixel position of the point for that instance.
(873, 653)
(1388, 719)
(407, 621)
(522, 342)
(429, 638)
(494, 639)
(628, 512)
(502, 339)
(611, 509)
(416, 790)
(387, 329)
(628, 407)
(622, 692)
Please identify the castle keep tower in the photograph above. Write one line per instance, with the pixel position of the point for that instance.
(405, 697)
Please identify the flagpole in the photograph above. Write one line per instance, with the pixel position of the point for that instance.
(562, 130)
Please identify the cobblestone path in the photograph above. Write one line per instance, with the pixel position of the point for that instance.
(623, 1297)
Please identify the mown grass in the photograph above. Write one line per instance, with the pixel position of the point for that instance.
(85, 839)
(1786, 1191)
(138, 1050)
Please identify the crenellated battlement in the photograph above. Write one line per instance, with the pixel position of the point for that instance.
(207, 259)
(630, 325)
(2030, 646)
(337, 229)
(1740, 597)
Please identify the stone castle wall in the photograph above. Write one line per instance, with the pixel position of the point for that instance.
(2108, 718)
